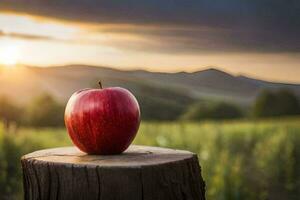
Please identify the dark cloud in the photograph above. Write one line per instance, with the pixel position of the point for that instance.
(185, 25)
(205, 39)
(24, 36)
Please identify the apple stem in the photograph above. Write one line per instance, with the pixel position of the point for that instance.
(100, 83)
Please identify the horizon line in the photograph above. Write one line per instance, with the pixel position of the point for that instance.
(146, 69)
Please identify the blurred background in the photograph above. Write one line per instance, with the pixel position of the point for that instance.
(219, 78)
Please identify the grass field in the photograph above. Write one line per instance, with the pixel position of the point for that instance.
(239, 159)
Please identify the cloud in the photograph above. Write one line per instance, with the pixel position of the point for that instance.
(194, 40)
(183, 25)
(24, 36)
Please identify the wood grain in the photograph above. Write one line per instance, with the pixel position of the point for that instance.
(140, 173)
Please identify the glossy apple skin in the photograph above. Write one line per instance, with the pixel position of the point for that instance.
(102, 121)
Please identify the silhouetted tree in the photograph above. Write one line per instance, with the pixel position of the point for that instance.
(45, 111)
(216, 110)
(280, 103)
(9, 111)
(289, 103)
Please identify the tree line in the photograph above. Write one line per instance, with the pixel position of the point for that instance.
(42, 111)
(268, 104)
(46, 111)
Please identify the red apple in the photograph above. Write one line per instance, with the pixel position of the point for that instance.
(102, 121)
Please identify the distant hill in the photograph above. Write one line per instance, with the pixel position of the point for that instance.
(176, 89)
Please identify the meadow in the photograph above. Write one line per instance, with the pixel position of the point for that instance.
(239, 159)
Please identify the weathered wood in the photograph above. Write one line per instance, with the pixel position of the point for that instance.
(140, 173)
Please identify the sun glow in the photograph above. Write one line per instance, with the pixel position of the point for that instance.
(9, 55)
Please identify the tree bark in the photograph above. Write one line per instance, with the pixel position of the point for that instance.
(140, 173)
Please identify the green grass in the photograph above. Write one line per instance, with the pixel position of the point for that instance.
(239, 159)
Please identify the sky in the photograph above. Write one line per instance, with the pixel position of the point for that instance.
(259, 38)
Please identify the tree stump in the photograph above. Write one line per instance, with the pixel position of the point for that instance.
(140, 173)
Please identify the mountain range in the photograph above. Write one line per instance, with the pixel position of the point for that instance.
(23, 83)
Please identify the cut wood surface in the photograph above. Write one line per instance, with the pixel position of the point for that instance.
(140, 173)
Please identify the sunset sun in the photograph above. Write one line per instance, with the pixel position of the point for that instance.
(9, 55)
